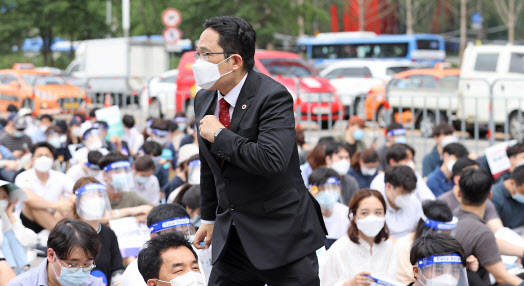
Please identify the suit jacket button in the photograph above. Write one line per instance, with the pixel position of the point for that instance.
(226, 181)
(232, 207)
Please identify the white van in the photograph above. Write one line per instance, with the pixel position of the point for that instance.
(500, 68)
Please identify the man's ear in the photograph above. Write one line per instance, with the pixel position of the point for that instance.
(459, 194)
(238, 62)
(151, 282)
(490, 195)
(415, 271)
(456, 180)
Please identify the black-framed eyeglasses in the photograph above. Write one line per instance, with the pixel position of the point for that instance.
(204, 56)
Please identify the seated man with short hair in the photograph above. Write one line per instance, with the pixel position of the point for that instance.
(508, 197)
(440, 180)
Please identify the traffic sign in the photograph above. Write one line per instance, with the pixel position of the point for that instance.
(171, 35)
(171, 17)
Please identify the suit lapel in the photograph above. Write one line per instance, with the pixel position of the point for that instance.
(245, 97)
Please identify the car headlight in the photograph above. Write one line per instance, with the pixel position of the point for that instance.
(317, 96)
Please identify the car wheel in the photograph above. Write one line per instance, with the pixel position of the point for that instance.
(325, 124)
(383, 117)
(515, 125)
(155, 110)
(360, 107)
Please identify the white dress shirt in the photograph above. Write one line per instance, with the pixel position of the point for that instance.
(344, 259)
(338, 223)
(422, 192)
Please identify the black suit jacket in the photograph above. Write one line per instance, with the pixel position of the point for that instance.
(258, 186)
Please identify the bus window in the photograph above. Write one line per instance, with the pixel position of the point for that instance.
(427, 45)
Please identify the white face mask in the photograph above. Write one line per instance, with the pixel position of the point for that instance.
(94, 146)
(76, 131)
(43, 164)
(342, 167)
(450, 165)
(403, 201)
(442, 280)
(371, 225)
(194, 177)
(411, 164)
(368, 171)
(92, 209)
(3, 205)
(191, 278)
(206, 73)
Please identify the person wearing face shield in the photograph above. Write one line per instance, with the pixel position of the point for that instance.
(440, 180)
(324, 185)
(49, 192)
(160, 133)
(437, 217)
(178, 134)
(147, 184)
(367, 239)
(443, 134)
(87, 169)
(403, 154)
(337, 158)
(438, 259)
(403, 208)
(93, 140)
(92, 205)
(364, 167)
(395, 133)
(354, 136)
(173, 214)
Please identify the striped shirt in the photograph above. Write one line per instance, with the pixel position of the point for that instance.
(14, 143)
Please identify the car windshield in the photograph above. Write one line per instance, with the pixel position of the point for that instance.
(288, 67)
(43, 79)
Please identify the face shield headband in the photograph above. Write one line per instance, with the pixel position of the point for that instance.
(439, 225)
(170, 223)
(439, 259)
(160, 133)
(327, 185)
(90, 187)
(117, 165)
(92, 166)
(92, 132)
(396, 132)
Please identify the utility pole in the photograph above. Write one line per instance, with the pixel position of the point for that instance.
(108, 17)
(125, 17)
(479, 10)
(361, 15)
(511, 22)
(409, 18)
(463, 30)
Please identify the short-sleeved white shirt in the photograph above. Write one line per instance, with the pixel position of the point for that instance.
(422, 192)
(401, 222)
(58, 184)
(337, 224)
(150, 190)
(76, 172)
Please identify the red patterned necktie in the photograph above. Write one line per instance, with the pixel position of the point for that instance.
(223, 113)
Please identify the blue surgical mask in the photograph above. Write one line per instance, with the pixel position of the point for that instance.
(358, 134)
(67, 278)
(401, 140)
(120, 181)
(18, 134)
(519, 198)
(142, 180)
(182, 126)
(196, 221)
(327, 199)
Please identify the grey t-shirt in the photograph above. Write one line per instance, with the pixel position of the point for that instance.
(129, 200)
(349, 186)
(453, 204)
(478, 240)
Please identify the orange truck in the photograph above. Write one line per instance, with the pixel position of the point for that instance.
(43, 92)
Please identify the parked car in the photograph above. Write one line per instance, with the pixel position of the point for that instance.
(42, 92)
(312, 93)
(158, 97)
(431, 94)
(354, 78)
(503, 68)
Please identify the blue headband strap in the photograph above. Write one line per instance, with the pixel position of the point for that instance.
(180, 119)
(92, 166)
(331, 181)
(439, 224)
(117, 165)
(92, 131)
(169, 223)
(396, 132)
(161, 133)
(439, 259)
(90, 187)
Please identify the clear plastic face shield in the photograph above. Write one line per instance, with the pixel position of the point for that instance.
(193, 174)
(159, 136)
(442, 270)
(93, 139)
(120, 176)
(327, 194)
(440, 226)
(93, 170)
(92, 202)
(182, 224)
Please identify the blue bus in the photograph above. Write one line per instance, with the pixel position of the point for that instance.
(325, 48)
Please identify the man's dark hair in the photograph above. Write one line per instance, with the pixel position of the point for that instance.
(144, 163)
(44, 145)
(401, 176)
(102, 124)
(46, 116)
(333, 148)
(149, 258)
(393, 126)
(111, 157)
(456, 149)
(518, 175)
(515, 149)
(397, 152)
(128, 121)
(436, 210)
(12, 108)
(69, 234)
(236, 36)
(326, 139)
(191, 197)
(443, 128)
(165, 211)
(93, 157)
(321, 174)
(475, 185)
(160, 124)
(461, 164)
(152, 148)
(92, 113)
(434, 243)
(54, 129)
(171, 126)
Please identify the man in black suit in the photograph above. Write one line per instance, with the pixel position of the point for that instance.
(264, 224)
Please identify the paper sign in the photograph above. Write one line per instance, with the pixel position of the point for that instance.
(498, 160)
(131, 236)
(111, 115)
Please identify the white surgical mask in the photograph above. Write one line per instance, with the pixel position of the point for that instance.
(450, 165)
(92, 209)
(76, 131)
(403, 201)
(93, 146)
(342, 167)
(442, 280)
(448, 140)
(371, 225)
(3, 205)
(43, 164)
(55, 142)
(206, 73)
(411, 164)
(368, 171)
(191, 278)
